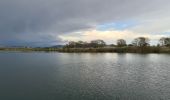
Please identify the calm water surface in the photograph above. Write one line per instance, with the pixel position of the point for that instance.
(84, 76)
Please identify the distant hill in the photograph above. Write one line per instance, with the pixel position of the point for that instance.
(57, 46)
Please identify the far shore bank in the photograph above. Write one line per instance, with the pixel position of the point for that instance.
(95, 50)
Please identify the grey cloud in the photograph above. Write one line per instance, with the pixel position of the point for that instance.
(18, 17)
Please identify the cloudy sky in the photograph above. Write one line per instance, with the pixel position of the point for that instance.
(52, 22)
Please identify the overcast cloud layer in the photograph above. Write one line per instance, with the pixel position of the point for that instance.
(50, 22)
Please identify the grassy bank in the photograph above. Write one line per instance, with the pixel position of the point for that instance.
(93, 50)
(119, 50)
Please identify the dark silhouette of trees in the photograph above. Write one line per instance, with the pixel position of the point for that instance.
(165, 41)
(139, 45)
(121, 42)
(71, 44)
(137, 42)
(82, 44)
(97, 43)
(141, 42)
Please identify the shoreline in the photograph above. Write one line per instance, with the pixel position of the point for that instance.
(139, 50)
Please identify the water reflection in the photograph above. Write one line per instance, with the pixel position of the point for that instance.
(84, 76)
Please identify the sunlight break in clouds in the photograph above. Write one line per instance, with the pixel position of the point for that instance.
(109, 36)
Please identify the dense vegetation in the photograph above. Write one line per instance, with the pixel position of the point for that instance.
(138, 45)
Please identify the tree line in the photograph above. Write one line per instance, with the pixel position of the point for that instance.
(137, 42)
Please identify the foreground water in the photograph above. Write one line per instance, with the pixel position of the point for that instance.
(84, 76)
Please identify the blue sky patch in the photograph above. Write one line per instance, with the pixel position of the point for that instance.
(116, 25)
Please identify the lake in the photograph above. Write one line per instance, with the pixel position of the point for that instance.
(84, 76)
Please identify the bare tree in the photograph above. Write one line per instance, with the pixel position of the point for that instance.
(164, 41)
(121, 42)
(141, 42)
